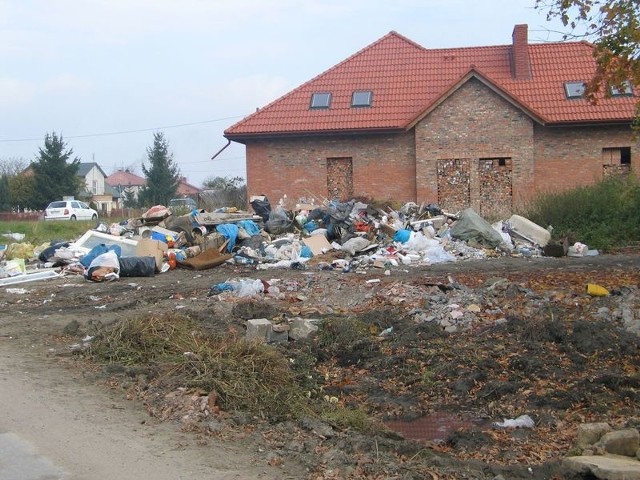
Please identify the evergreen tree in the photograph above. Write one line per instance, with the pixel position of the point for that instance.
(162, 175)
(5, 194)
(129, 198)
(53, 176)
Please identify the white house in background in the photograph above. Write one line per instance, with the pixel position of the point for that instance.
(97, 190)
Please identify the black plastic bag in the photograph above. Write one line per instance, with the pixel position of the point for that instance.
(262, 208)
(137, 266)
(49, 252)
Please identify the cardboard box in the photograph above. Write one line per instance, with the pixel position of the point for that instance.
(318, 244)
(152, 248)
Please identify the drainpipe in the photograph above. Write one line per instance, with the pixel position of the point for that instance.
(220, 151)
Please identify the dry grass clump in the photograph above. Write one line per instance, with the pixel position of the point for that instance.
(245, 376)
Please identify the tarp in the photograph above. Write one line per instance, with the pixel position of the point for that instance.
(471, 226)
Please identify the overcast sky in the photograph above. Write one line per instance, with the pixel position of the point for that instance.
(107, 74)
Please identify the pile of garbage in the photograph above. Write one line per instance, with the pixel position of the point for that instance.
(345, 236)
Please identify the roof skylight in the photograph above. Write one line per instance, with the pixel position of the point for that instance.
(625, 90)
(361, 98)
(320, 100)
(574, 89)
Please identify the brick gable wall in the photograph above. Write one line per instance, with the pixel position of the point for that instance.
(474, 123)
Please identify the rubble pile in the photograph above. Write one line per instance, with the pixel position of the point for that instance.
(345, 236)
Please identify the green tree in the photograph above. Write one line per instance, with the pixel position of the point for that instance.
(223, 183)
(613, 26)
(21, 189)
(53, 175)
(5, 194)
(224, 192)
(129, 198)
(162, 175)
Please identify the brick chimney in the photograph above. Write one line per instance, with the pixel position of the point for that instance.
(520, 63)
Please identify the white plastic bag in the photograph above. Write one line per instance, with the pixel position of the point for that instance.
(105, 267)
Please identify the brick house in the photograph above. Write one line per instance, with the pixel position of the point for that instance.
(485, 127)
(125, 182)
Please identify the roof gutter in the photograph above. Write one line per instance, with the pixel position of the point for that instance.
(280, 135)
(220, 151)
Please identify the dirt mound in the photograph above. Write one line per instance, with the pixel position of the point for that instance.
(415, 370)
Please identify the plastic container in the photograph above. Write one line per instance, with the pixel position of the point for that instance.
(172, 261)
(596, 290)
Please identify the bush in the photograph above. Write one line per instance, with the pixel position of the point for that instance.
(603, 216)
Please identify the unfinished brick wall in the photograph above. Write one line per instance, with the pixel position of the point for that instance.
(567, 157)
(454, 180)
(496, 196)
(383, 167)
(340, 178)
(615, 170)
(475, 123)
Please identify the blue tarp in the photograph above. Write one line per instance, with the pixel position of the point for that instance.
(230, 232)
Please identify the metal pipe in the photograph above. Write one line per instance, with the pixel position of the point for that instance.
(220, 151)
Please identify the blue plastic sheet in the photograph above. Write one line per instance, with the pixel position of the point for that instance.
(402, 236)
(97, 251)
(230, 232)
(250, 227)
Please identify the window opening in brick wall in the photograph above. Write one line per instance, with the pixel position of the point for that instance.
(616, 155)
(320, 100)
(492, 162)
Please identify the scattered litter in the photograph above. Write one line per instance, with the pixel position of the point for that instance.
(523, 421)
(596, 290)
(328, 235)
(17, 291)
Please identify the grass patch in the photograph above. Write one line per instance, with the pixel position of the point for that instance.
(352, 418)
(603, 216)
(39, 232)
(247, 376)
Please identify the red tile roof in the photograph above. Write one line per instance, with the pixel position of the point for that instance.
(185, 188)
(124, 178)
(408, 81)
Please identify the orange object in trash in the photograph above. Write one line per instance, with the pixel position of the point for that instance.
(172, 261)
(596, 290)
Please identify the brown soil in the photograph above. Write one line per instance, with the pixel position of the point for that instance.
(534, 343)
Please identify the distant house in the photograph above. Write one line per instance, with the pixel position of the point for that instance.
(185, 189)
(484, 126)
(124, 182)
(96, 190)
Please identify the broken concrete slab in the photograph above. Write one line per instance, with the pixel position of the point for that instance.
(605, 467)
(301, 328)
(258, 329)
